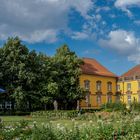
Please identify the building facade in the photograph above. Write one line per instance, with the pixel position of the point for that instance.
(129, 85)
(99, 84)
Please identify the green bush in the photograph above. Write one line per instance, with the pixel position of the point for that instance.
(135, 106)
(113, 107)
(11, 113)
(61, 114)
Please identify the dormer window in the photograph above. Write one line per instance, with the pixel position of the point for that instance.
(109, 86)
(98, 85)
(87, 84)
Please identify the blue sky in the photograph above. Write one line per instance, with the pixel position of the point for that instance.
(107, 30)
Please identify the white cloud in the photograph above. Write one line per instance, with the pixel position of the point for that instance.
(123, 42)
(137, 22)
(38, 20)
(135, 58)
(125, 4)
(83, 35)
(79, 35)
(103, 8)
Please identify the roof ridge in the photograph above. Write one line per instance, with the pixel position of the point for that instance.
(93, 66)
(131, 69)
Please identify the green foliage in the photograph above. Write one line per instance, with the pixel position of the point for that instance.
(33, 80)
(66, 77)
(61, 114)
(135, 106)
(114, 107)
(115, 127)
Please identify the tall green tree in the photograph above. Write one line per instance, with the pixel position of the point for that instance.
(13, 56)
(22, 73)
(65, 77)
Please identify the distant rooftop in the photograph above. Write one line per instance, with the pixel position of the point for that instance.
(135, 71)
(93, 67)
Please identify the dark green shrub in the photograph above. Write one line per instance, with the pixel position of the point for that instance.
(135, 106)
(114, 107)
(61, 114)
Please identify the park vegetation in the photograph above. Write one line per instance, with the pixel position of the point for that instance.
(35, 81)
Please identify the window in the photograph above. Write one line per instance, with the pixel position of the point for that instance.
(98, 85)
(99, 100)
(139, 85)
(137, 77)
(109, 86)
(109, 98)
(118, 98)
(87, 84)
(87, 98)
(129, 99)
(118, 87)
(128, 86)
(8, 105)
(1, 106)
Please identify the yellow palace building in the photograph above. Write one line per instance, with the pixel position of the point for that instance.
(99, 83)
(129, 85)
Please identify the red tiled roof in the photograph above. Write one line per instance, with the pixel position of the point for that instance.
(135, 71)
(91, 66)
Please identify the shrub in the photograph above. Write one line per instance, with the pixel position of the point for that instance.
(56, 114)
(114, 107)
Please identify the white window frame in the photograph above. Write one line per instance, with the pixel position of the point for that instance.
(109, 86)
(99, 99)
(128, 86)
(98, 85)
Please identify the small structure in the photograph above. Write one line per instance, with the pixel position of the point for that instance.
(5, 103)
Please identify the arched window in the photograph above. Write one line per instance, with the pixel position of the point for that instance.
(87, 84)
(98, 85)
(109, 86)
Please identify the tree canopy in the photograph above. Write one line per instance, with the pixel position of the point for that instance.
(35, 80)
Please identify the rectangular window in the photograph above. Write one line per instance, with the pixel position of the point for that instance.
(118, 87)
(87, 84)
(8, 105)
(1, 106)
(109, 86)
(109, 98)
(98, 85)
(128, 86)
(118, 98)
(129, 99)
(139, 85)
(87, 101)
(99, 101)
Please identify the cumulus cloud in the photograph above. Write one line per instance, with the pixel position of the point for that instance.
(38, 20)
(125, 4)
(123, 42)
(137, 22)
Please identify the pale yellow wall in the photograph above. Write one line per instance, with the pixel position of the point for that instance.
(93, 96)
(134, 89)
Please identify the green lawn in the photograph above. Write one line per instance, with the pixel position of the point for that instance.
(39, 121)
